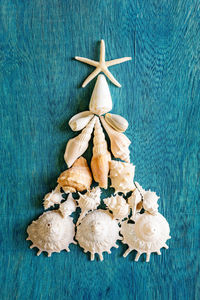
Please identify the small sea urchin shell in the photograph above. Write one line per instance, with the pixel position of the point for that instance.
(148, 234)
(98, 233)
(51, 232)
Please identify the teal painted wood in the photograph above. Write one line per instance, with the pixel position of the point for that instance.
(40, 91)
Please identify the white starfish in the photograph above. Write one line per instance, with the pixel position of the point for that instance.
(102, 65)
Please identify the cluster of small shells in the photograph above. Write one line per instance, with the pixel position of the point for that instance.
(134, 220)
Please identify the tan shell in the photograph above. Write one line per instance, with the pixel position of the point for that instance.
(119, 142)
(122, 175)
(89, 201)
(98, 233)
(51, 232)
(68, 207)
(117, 122)
(148, 234)
(80, 120)
(101, 157)
(78, 145)
(150, 200)
(101, 101)
(52, 198)
(77, 178)
(117, 204)
(135, 202)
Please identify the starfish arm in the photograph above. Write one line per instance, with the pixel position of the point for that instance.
(102, 51)
(87, 61)
(117, 61)
(111, 77)
(91, 76)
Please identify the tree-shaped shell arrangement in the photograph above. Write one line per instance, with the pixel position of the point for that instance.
(130, 214)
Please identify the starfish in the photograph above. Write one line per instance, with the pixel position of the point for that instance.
(102, 65)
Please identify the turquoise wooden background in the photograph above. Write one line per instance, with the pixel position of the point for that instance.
(40, 91)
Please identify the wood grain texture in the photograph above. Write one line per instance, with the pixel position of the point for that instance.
(40, 91)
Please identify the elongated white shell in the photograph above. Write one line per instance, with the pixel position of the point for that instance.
(80, 120)
(121, 175)
(78, 145)
(68, 207)
(117, 122)
(135, 202)
(98, 233)
(51, 232)
(101, 101)
(148, 234)
(117, 204)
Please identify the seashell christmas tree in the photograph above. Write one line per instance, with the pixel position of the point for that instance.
(130, 214)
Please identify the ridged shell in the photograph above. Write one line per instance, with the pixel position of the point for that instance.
(148, 234)
(98, 233)
(89, 201)
(101, 157)
(68, 207)
(135, 202)
(78, 145)
(80, 120)
(77, 178)
(117, 204)
(150, 200)
(121, 175)
(101, 101)
(119, 142)
(51, 232)
(52, 198)
(117, 122)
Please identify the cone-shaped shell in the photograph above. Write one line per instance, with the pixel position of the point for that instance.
(78, 145)
(78, 177)
(97, 233)
(119, 142)
(148, 234)
(135, 202)
(51, 232)
(101, 157)
(117, 122)
(80, 120)
(101, 101)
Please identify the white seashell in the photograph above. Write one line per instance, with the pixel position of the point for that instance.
(140, 188)
(150, 200)
(119, 142)
(117, 122)
(52, 198)
(148, 234)
(51, 232)
(101, 101)
(80, 120)
(135, 202)
(89, 201)
(68, 207)
(117, 204)
(97, 233)
(78, 145)
(121, 175)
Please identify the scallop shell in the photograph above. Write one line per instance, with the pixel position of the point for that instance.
(68, 207)
(119, 142)
(117, 122)
(89, 201)
(52, 198)
(101, 101)
(117, 204)
(51, 232)
(78, 145)
(150, 200)
(122, 175)
(77, 178)
(101, 157)
(148, 234)
(135, 202)
(80, 120)
(97, 233)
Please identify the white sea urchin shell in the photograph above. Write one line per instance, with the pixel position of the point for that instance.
(97, 233)
(51, 232)
(148, 234)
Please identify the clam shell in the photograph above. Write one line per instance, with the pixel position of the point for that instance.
(117, 122)
(80, 120)
(97, 233)
(101, 101)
